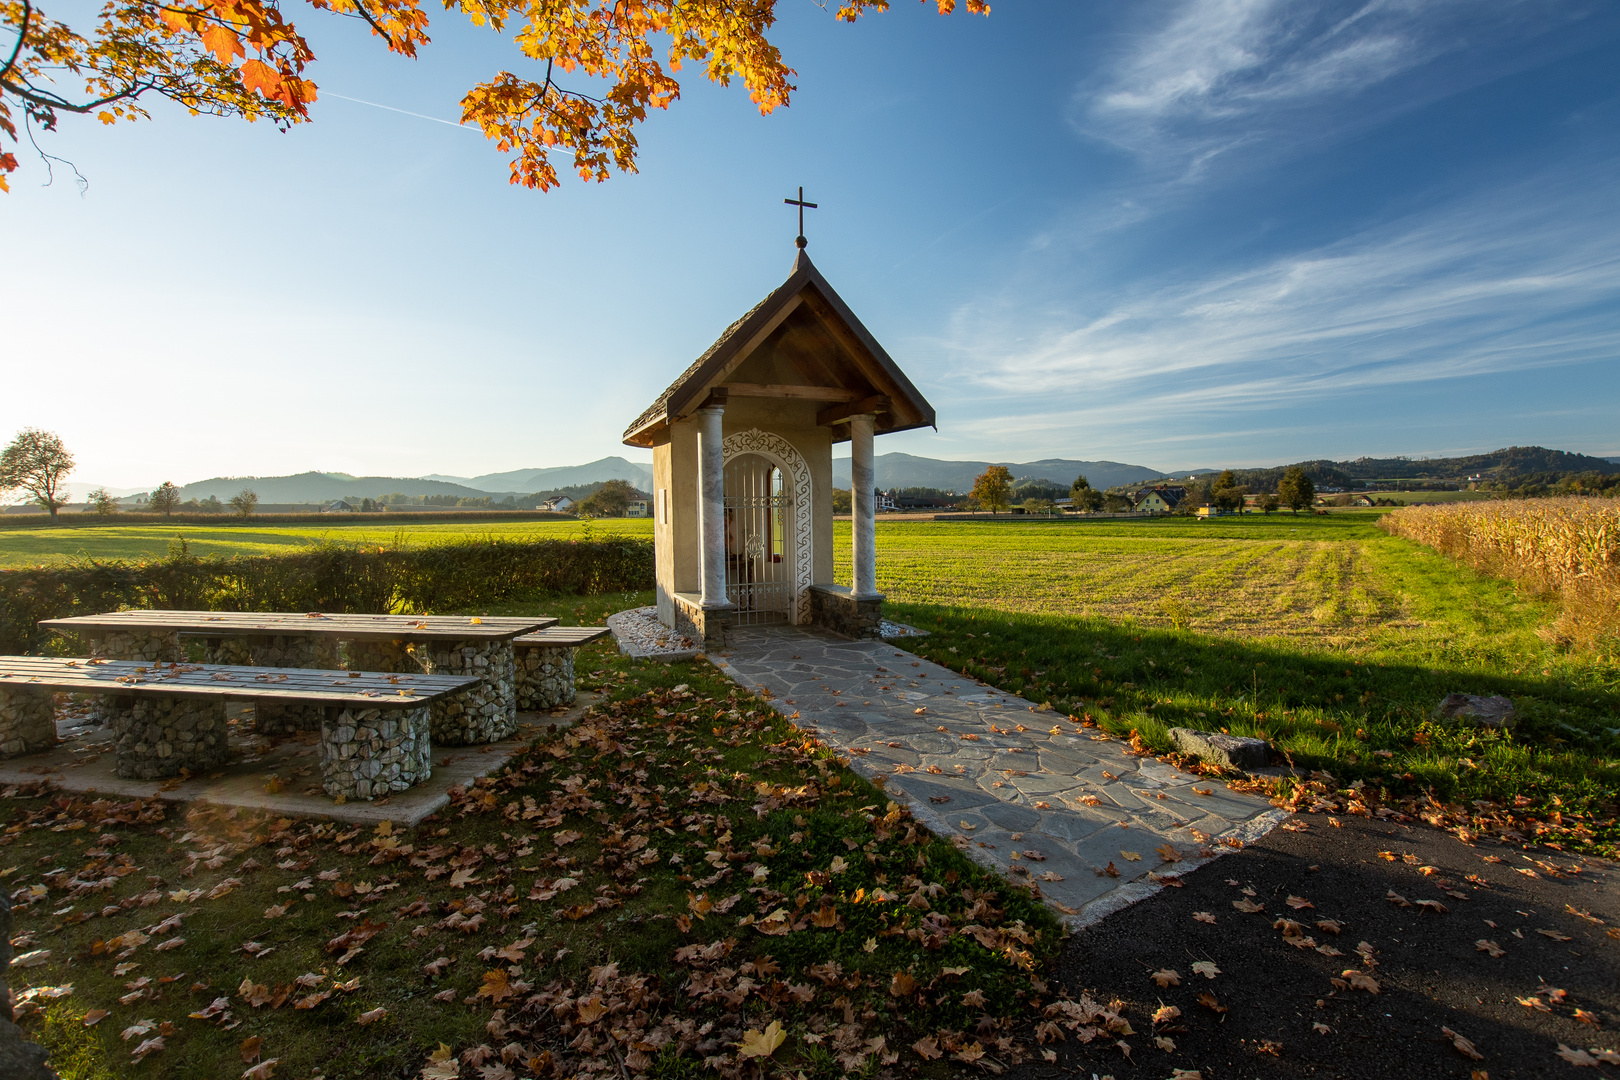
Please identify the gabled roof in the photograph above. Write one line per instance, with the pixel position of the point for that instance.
(807, 297)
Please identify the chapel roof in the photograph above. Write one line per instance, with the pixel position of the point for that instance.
(848, 361)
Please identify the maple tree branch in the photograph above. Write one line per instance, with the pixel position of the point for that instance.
(372, 22)
(46, 100)
(22, 35)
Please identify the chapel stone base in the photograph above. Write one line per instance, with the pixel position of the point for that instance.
(27, 720)
(836, 608)
(712, 628)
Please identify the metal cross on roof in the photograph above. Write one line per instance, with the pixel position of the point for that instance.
(801, 204)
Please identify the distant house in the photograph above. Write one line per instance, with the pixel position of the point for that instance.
(1160, 500)
(1363, 500)
(884, 500)
(1212, 511)
(339, 507)
(562, 504)
(636, 508)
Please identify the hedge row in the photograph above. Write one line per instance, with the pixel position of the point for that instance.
(333, 578)
(402, 517)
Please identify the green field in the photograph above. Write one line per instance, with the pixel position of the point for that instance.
(36, 546)
(1320, 632)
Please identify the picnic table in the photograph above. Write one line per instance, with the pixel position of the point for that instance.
(170, 718)
(431, 644)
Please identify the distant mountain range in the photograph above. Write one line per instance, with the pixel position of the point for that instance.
(893, 471)
(907, 470)
(561, 476)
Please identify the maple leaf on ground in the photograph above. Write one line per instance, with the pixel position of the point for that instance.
(1332, 926)
(973, 999)
(762, 1044)
(1584, 1017)
(1464, 1046)
(264, 1070)
(927, 1048)
(1555, 935)
(1165, 1013)
(153, 1045)
(1299, 903)
(1248, 907)
(1575, 1056)
(1166, 977)
(1131, 856)
(96, 1016)
(591, 1011)
(1204, 917)
(1207, 1000)
(497, 986)
(1165, 1043)
(1489, 947)
(255, 994)
(902, 985)
(441, 1065)
(1206, 968)
(250, 1047)
(1432, 905)
(1534, 1003)
(1186, 1074)
(372, 1016)
(1321, 1028)
(970, 1053)
(1359, 980)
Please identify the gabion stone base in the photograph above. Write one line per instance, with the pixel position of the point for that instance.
(367, 753)
(545, 676)
(382, 656)
(159, 736)
(27, 720)
(278, 650)
(484, 713)
(138, 643)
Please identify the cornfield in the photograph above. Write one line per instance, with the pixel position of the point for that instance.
(1567, 547)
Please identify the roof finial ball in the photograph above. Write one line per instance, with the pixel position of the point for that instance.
(800, 242)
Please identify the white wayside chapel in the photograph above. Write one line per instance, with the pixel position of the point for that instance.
(742, 467)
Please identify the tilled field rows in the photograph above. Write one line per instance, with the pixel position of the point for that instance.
(1230, 586)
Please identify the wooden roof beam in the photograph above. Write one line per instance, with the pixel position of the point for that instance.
(792, 392)
(838, 414)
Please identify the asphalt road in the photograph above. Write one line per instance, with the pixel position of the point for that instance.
(1430, 972)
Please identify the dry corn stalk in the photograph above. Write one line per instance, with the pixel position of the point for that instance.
(1568, 546)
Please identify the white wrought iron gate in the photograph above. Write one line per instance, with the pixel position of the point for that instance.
(759, 564)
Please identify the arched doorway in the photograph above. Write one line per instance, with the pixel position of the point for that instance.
(759, 547)
(768, 540)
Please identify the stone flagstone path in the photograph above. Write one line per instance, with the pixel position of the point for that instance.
(950, 748)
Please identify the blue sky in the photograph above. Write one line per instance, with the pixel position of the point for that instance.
(1207, 232)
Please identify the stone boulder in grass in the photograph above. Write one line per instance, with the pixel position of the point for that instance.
(1217, 748)
(1494, 711)
(20, 1059)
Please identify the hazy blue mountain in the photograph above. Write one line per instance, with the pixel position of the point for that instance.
(561, 476)
(314, 487)
(907, 470)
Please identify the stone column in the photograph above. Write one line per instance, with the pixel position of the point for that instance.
(863, 533)
(712, 513)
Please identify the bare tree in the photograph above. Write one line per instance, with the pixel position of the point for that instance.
(244, 501)
(36, 462)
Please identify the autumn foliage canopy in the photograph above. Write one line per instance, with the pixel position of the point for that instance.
(244, 58)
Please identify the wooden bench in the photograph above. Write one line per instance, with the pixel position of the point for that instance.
(437, 644)
(545, 664)
(375, 727)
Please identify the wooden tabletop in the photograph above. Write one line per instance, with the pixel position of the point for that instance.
(563, 636)
(311, 624)
(375, 689)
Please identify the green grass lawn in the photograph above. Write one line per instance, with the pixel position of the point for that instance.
(666, 879)
(1327, 636)
(36, 546)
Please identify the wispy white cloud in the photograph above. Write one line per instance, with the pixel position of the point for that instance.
(1519, 279)
(1217, 76)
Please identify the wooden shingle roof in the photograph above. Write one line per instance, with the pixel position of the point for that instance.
(815, 307)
